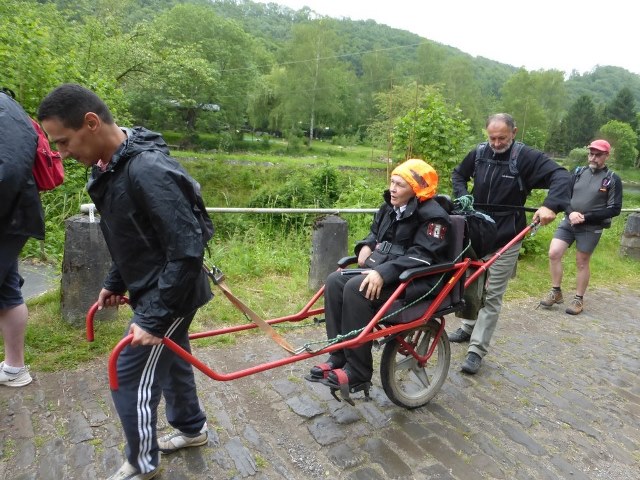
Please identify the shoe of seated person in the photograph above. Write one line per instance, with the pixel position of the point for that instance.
(177, 440)
(459, 336)
(472, 363)
(19, 379)
(344, 381)
(319, 372)
(129, 472)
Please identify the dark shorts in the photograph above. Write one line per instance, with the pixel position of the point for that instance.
(10, 279)
(585, 236)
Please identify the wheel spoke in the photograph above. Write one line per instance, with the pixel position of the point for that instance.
(404, 380)
(422, 376)
(408, 363)
(425, 341)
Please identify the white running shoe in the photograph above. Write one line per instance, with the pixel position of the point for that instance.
(19, 379)
(129, 472)
(176, 440)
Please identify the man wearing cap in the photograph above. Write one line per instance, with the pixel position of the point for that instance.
(501, 186)
(409, 230)
(596, 197)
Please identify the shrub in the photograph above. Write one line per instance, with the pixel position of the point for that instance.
(577, 156)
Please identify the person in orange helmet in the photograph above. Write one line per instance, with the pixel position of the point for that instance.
(409, 230)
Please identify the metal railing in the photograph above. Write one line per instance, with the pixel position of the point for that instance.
(86, 208)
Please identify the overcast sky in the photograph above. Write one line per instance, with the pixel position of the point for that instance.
(542, 34)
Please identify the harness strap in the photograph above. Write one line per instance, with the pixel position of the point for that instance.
(218, 279)
(388, 247)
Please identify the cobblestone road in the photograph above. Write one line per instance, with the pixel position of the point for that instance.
(558, 397)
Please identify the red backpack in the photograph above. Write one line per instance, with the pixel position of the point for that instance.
(48, 170)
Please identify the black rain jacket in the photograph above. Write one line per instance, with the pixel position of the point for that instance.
(413, 233)
(494, 184)
(20, 208)
(152, 227)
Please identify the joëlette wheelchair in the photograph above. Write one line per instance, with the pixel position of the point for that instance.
(416, 351)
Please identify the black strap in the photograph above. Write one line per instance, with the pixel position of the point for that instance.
(516, 148)
(388, 247)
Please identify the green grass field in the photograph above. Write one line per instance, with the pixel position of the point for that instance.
(266, 258)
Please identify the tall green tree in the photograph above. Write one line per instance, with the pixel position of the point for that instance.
(461, 88)
(41, 48)
(378, 74)
(392, 105)
(622, 108)
(201, 60)
(581, 123)
(313, 84)
(430, 60)
(32, 50)
(557, 139)
(535, 99)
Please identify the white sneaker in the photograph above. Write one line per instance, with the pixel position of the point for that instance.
(177, 440)
(19, 379)
(129, 472)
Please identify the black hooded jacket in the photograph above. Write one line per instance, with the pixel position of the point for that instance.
(422, 234)
(152, 224)
(20, 208)
(494, 184)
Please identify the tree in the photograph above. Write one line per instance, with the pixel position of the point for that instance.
(461, 88)
(432, 130)
(581, 123)
(391, 105)
(557, 140)
(37, 56)
(535, 99)
(201, 60)
(378, 74)
(622, 108)
(313, 85)
(430, 59)
(623, 140)
(32, 63)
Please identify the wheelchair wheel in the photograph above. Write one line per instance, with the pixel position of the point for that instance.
(405, 382)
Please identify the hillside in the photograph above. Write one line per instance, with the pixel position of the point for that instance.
(272, 23)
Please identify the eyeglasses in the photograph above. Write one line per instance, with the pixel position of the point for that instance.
(597, 155)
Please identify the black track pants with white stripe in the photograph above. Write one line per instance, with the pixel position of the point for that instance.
(144, 373)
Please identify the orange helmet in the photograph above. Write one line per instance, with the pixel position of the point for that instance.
(421, 176)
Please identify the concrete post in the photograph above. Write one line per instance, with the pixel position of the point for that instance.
(630, 241)
(328, 245)
(85, 263)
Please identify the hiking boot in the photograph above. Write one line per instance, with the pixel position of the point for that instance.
(129, 472)
(19, 379)
(459, 336)
(575, 306)
(472, 363)
(554, 296)
(177, 440)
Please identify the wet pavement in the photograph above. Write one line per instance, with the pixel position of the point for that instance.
(38, 278)
(558, 397)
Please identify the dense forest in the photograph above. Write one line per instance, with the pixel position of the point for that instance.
(221, 68)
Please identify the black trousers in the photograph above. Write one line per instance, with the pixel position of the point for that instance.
(347, 309)
(144, 374)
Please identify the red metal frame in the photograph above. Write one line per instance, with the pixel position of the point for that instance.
(373, 331)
